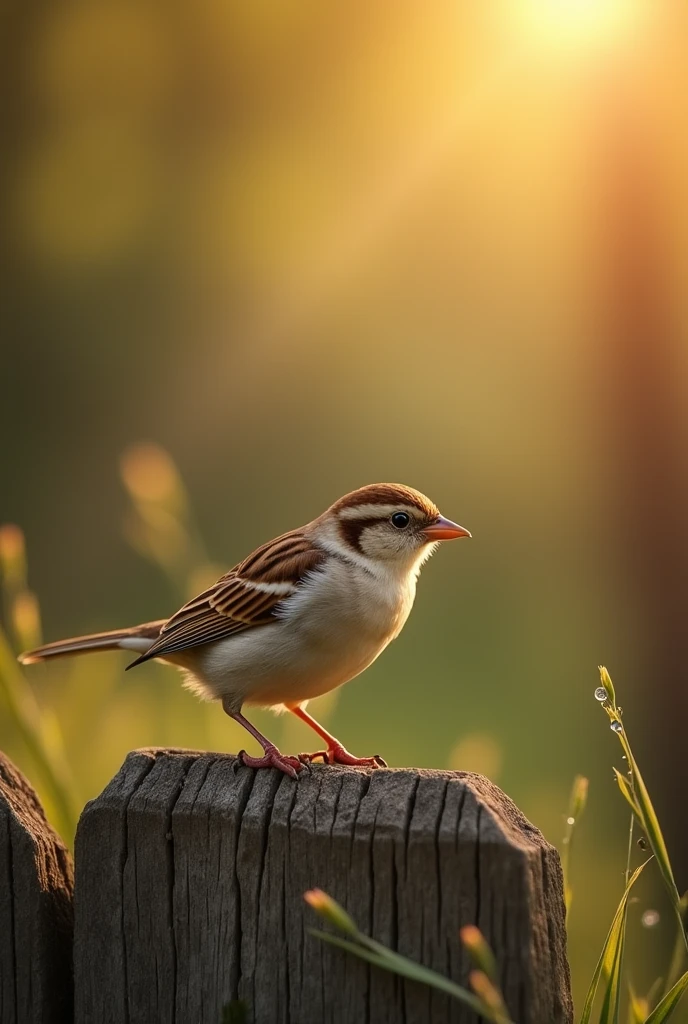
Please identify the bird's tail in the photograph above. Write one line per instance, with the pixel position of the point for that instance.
(136, 638)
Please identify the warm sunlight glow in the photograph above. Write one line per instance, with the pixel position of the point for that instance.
(580, 24)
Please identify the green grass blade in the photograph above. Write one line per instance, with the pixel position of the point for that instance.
(612, 994)
(605, 964)
(642, 804)
(161, 527)
(332, 912)
(649, 822)
(380, 956)
(479, 950)
(487, 1001)
(627, 792)
(666, 1006)
(577, 802)
(606, 681)
(637, 1007)
(647, 818)
(679, 951)
(490, 997)
(26, 719)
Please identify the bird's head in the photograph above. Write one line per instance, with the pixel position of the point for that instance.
(391, 524)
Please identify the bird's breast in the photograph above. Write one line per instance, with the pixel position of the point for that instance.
(337, 623)
(350, 614)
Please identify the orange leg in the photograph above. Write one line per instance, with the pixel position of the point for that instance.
(335, 752)
(272, 758)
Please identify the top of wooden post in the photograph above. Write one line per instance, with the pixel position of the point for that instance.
(191, 872)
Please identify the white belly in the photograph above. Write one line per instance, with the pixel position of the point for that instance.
(328, 633)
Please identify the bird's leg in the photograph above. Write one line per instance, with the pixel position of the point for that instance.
(335, 752)
(272, 758)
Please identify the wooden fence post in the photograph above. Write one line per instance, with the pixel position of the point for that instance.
(190, 872)
(35, 909)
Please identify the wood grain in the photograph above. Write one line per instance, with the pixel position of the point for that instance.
(36, 918)
(191, 872)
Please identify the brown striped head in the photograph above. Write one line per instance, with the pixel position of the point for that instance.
(391, 523)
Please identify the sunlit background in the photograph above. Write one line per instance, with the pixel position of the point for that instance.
(257, 254)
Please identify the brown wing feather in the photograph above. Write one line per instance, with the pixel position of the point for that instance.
(281, 560)
(236, 602)
(239, 601)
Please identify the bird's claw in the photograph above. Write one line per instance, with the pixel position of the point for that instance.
(340, 755)
(272, 758)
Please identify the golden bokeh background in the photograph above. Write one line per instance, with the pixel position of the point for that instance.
(258, 254)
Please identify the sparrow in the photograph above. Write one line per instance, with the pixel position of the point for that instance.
(301, 615)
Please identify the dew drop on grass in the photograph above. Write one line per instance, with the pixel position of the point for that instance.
(616, 727)
(650, 919)
(642, 843)
(570, 821)
(601, 694)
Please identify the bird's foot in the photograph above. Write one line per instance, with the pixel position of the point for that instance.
(272, 758)
(338, 754)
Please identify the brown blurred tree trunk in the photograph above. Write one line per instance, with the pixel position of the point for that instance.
(642, 413)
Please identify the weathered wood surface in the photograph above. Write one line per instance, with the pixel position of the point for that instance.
(190, 875)
(36, 884)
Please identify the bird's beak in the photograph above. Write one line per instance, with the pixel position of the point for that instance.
(444, 529)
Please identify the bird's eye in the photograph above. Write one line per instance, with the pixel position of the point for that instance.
(401, 520)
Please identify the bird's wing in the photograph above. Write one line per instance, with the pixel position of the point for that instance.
(248, 595)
